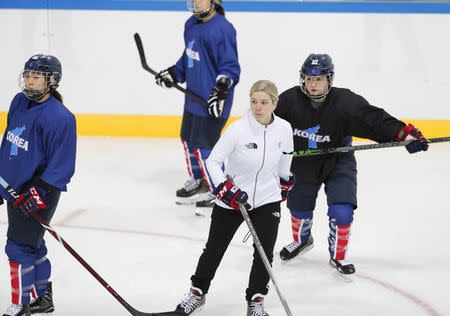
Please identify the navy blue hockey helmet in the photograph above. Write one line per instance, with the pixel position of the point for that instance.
(191, 4)
(317, 65)
(45, 65)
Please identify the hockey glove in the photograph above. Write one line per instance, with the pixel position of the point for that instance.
(286, 186)
(231, 195)
(30, 201)
(166, 78)
(1, 200)
(410, 132)
(217, 97)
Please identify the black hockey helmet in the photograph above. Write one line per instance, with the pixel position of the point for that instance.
(202, 14)
(317, 65)
(46, 65)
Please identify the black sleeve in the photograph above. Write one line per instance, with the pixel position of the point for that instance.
(282, 106)
(368, 121)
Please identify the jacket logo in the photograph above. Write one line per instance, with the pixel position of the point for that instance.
(251, 146)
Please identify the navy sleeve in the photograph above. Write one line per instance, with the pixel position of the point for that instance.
(224, 50)
(60, 145)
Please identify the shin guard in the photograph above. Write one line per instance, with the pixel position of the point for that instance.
(340, 222)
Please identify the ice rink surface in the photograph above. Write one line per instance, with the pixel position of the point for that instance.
(120, 216)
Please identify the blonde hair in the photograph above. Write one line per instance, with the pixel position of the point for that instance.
(266, 86)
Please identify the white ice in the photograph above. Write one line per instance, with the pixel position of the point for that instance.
(120, 216)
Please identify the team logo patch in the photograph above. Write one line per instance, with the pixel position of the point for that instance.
(311, 135)
(16, 141)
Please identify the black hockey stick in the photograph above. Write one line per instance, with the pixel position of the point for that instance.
(315, 152)
(262, 254)
(190, 94)
(41, 221)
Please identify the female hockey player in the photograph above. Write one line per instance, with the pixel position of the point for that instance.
(258, 148)
(37, 158)
(323, 116)
(209, 66)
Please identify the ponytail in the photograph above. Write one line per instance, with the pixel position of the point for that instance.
(57, 95)
(220, 10)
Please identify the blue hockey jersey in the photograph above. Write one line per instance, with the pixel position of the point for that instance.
(211, 50)
(40, 138)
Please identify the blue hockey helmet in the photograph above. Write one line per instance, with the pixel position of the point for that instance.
(317, 65)
(192, 6)
(45, 65)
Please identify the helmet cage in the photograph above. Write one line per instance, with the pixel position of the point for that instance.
(200, 15)
(51, 82)
(330, 78)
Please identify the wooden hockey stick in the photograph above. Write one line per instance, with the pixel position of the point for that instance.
(263, 255)
(190, 94)
(315, 152)
(47, 227)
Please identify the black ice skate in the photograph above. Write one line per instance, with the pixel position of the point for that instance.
(192, 302)
(44, 303)
(294, 248)
(204, 206)
(18, 310)
(193, 190)
(255, 307)
(342, 266)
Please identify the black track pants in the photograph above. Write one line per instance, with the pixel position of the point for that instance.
(224, 224)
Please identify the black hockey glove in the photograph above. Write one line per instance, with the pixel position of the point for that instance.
(231, 195)
(218, 96)
(411, 132)
(166, 78)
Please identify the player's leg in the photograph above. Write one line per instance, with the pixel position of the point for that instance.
(301, 202)
(340, 189)
(224, 223)
(265, 220)
(194, 184)
(43, 302)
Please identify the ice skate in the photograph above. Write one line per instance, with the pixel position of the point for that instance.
(205, 206)
(192, 302)
(18, 310)
(44, 303)
(294, 248)
(193, 190)
(255, 307)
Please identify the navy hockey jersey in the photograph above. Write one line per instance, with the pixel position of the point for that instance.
(211, 50)
(39, 141)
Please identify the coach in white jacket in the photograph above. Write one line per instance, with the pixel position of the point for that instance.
(257, 153)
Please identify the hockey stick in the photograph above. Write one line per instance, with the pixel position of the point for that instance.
(263, 255)
(315, 152)
(41, 221)
(190, 94)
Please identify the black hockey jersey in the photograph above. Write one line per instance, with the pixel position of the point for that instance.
(343, 113)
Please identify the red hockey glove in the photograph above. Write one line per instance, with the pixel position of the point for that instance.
(30, 201)
(286, 186)
(231, 195)
(411, 132)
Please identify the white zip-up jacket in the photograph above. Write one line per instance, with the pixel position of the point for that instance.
(258, 155)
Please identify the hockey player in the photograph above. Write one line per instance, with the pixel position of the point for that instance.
(323, 116)
(209, 66)
(37, 158)
(258, 149)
